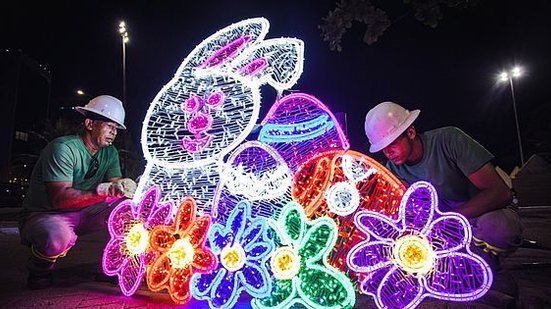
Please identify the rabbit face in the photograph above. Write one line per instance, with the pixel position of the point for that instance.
(198, 118)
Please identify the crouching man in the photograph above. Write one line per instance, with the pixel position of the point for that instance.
(75, 184)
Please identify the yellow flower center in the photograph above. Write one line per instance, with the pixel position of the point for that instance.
(285, 263)
(137, 239)
(233, 257)
(413, 254)
(181, 253)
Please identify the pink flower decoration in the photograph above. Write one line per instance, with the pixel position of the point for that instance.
(128, 253)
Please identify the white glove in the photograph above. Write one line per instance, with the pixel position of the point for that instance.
(125, 186)
(128, 187)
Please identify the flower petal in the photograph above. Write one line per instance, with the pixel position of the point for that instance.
(376, 225)
(370, 282)
(324, 287)
(204, 260)
(185, 214)
(131, 275)
(199, 231)
(259, 250)
(121, 219)
(201, 284)
(113, 256)
(282, 294)
(320, 239)
(254, 231)
(224, 292)
(238, 218)
(148, 203)
(161, 215)
(368, 256)
(161, 238)
(256, 280)
(449, 233)
(398, 290)
(417, 206)
(158, 273)
(459, 277)
(292, 221)
(219, 238)
(179, 284)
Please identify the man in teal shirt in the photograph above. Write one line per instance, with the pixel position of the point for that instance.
(459, 168)
(74, 185)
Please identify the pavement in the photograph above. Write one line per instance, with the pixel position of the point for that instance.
(529, 268)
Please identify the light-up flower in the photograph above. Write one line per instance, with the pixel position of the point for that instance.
(423, 253)
(127, 253)
(182, 253)
(243, 247)
(299, 264)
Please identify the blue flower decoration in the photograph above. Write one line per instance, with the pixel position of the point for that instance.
(242, 247)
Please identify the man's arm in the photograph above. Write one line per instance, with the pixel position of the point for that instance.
(63, 196)
(494, 193)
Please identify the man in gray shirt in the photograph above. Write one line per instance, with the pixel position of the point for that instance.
(459, 168)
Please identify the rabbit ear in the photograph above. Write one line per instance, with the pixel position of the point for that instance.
(224, 45)
(277, 62)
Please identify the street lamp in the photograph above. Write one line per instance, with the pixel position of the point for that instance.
(124, 39)
(509, 76)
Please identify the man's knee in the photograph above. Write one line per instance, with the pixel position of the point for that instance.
(58, 243)
(501, 229)
(48, 237)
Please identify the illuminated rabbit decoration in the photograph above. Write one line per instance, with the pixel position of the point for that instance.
(211, 104)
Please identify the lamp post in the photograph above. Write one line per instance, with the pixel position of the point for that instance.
(124, 39)
(509, 76)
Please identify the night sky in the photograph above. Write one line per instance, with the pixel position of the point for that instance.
(448, 72)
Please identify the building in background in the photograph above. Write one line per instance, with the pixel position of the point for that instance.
(25, 87)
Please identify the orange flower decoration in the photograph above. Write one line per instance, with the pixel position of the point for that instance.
(182, 253)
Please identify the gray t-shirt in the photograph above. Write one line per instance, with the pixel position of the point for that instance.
(449, 157)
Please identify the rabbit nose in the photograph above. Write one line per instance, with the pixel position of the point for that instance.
(199, 122)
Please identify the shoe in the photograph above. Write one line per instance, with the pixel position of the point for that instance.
(39, 282)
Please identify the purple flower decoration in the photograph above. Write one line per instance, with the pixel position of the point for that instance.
(127, 253)
(422, 253)
(242, 247)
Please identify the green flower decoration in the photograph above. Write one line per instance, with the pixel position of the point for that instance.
(299, 264)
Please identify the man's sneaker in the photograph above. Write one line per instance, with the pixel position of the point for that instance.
(39, 282)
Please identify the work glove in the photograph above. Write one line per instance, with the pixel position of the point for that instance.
(122, 187)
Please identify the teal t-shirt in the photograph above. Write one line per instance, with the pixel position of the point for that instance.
(449, 157)
(67, 159)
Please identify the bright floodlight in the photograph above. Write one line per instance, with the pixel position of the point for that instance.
(504, 77)
(516, 72)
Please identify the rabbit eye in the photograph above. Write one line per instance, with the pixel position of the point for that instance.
(215, 99)
(192, 104)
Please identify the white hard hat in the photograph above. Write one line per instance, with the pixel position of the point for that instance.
(105, 106)
(385, 122)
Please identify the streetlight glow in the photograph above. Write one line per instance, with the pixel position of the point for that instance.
(508, 77)
(123, 31)
(80, 92)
